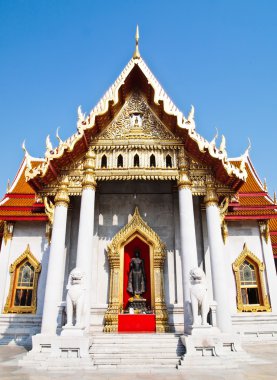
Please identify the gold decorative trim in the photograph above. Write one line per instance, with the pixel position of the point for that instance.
(264, 229)
(89, 171)
(136, 227)
(223, 209)
(49, 209)
(224, 231)
(26, 256)
(62, 198)
(259, 267)
(211, 198)
(8, 231)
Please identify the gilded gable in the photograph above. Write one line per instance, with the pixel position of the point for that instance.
(136, 120)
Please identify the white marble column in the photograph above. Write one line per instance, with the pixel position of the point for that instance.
(219, 279)
(86, 227)
(187, 239)
(55, 274)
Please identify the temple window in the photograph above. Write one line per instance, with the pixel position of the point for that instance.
(251, 294)
(248, 283)
(152, 161)
(101, 220)
(120, 161)
(136, 160)
(23, 286)
(115, 220)
(104, 161)
(168, 161)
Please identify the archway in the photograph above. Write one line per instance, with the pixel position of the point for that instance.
(136, 232)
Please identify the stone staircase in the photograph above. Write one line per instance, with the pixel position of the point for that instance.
(136, 351)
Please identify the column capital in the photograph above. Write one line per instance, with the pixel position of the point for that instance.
(89, 181)
(211, 198)
(184, 181)
(62, 198)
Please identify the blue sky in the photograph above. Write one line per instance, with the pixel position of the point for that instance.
(220, 56)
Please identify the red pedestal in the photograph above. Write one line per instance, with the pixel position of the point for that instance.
(136, 323)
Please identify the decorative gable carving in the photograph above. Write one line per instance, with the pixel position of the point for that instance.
(136, 120)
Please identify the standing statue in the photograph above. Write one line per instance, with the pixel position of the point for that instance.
(199, 296)
(136, 279)
(75, 298)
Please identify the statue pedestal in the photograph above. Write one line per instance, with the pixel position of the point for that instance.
(138, 304)
(73, 331)
(208, 346)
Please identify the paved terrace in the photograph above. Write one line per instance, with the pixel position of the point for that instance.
(263, 368)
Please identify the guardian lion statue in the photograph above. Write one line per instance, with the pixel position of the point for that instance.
(199, 296)
(75, 298)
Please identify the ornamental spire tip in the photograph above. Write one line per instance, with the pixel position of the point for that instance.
(136, 54)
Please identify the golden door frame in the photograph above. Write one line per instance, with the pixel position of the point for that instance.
(136, 227)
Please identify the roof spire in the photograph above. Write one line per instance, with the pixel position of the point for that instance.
(136, 54)
(274, 198)
(265, 185)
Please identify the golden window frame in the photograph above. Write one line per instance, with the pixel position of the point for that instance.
(26, 256)
(264, 305)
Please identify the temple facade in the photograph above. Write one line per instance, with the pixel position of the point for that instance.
(136, 175)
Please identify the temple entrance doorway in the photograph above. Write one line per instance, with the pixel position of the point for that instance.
(137, 314)
(137, 245)
(136, 294)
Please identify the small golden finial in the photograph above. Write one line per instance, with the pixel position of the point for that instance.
(274, 198)
(136, 53)
(265, 185)
(8, 185)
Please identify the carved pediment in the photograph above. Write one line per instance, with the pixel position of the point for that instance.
(136, 120)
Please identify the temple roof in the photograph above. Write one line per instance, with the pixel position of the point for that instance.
(20, 201)
(135, 75)
(254, 203)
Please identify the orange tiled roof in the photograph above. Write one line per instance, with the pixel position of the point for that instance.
(20, 200)
(254, 202)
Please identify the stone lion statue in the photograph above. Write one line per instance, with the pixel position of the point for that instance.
(199, 296)
(75, 297)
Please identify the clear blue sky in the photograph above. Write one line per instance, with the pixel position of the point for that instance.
(219, 55)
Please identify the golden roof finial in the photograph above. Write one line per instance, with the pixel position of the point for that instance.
(274, 198)
(265, 185)
(8, 185)
(136, 53)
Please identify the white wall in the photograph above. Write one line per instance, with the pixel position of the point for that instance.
(32, 233)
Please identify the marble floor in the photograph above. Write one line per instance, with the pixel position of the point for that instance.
(263, 367)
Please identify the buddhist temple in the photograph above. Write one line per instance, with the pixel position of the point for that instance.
(108, 232)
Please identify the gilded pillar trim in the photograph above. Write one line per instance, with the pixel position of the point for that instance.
(211, 198)
(62, 198)
(183, 181)
(89, 181)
